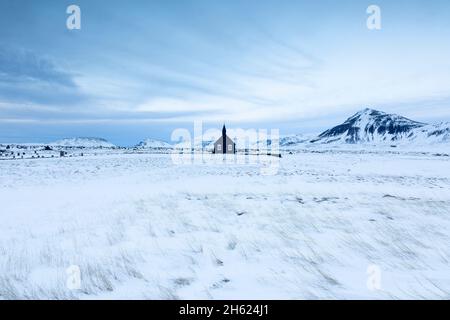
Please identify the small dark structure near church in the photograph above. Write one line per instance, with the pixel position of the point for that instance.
(224, 144)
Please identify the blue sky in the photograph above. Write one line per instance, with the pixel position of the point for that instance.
(140, 69)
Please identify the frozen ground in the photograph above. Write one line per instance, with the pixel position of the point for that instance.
(139, 226)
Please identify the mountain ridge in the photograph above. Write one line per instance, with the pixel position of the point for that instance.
(368, 126)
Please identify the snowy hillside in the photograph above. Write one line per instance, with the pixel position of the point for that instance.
(370, 125)
(431, 134)
(153, 144)
(285, 142)
(291, 140)
(83, 143)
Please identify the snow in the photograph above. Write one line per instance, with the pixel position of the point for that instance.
(83, 143)
(153, 144)
(432, 134)
(139, 226)
(287, 141)
(370, 126)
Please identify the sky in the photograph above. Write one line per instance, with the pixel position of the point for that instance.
(140, 69)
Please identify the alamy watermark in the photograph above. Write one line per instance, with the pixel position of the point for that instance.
(374, 20)
(373, 277)
(73, 21)
(73, 280)
(229, 146)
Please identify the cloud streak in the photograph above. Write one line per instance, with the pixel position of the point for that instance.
(24, 66)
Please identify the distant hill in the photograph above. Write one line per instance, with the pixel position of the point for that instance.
(153, 144)
(83, 142)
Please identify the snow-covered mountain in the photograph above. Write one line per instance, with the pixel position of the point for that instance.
(83, 142)
(153, 144)
(371, 126)
(432, 134)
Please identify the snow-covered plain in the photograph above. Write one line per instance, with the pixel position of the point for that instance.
(141, 227)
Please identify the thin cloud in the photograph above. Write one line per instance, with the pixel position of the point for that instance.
(24, 66)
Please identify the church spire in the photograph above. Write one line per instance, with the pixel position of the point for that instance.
(224, 139)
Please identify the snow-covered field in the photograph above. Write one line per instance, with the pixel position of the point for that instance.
(336, 225)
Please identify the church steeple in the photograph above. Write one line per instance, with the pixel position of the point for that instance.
(224, 139)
